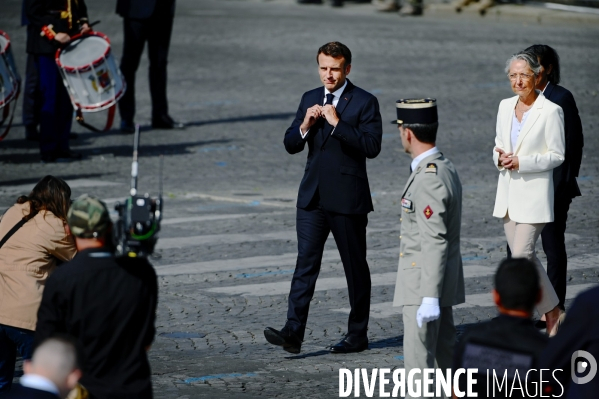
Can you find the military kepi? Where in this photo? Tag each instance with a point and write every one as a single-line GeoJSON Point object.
{"type": "Point", "coordinates": [416, 110]}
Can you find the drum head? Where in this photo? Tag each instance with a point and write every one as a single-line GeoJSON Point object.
{"type": "Point", "coordinates": [84, 51]}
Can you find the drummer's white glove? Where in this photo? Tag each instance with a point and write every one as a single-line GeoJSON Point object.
{"type": "Point", "coordinates": [429, 310]}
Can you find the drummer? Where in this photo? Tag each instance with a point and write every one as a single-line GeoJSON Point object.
{"type": "Point", "coordinates": [51, 25]}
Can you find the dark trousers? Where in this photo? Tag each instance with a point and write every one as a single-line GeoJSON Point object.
{"type": "Point", "coordinates": [554, 246]}
{"type": "Point", "coordinates": [13, 340]}
{"type": "Point", "coordinates": [56, 114]}
{"type": "Point", "coordinates": [31, 94]}
{"type": "Point", "coordinates": [349, 231]}
{"type": "Point", "coordinates": [156, 31]}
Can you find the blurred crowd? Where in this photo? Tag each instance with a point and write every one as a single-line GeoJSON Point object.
{"type": "Point", "coordinates": [407, 8]}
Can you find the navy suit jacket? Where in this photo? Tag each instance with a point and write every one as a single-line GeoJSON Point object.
{"type": "Point", "coordinates": [139, 9]}
{"type": "Point", "coordinates": [336, 164]}
{"type": "Point", "coordinates": [580, 331]}
{"type": "Point", "coordinates": [20, 392]}
{"type": "Point", "coordinates": [564, 176]}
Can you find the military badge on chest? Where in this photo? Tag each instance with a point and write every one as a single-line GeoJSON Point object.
{"type": "Point", "coordinates": [407, 205]}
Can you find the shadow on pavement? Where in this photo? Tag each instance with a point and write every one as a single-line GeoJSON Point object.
{"type": "Point", "coordinates": [122, 151]}
{"type": "Point", "coordinates": [85, 137]}
{"type": "Point", "coordinates": [19, 182]}
{"type": "Point", "coordinates": [253, 118]}
{"type": "Point", "coordinates": [394, 342]}
{"type": "Point", "coordinates": [311, 354]}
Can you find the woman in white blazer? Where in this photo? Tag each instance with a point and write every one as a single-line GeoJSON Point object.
{"type": "Point", "coordinates": [529, 144]}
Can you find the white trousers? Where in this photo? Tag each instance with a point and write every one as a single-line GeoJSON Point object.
{"type": "Point", "coordinates": [521, 238]}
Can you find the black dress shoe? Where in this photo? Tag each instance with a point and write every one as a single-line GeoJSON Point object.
{"type": "Point", "coordinates": [166, 122]}
{"type": "Point", "coordinates": [309, 1]}
{"type": "Point", "coordinates": [127, 127]}
{"type": "Point", "coordinates": [48, 158]}
{"type": "Point", "coordinates": [285, 338]}
{"type": "Point", "coordinates": [350, 344]}
{"type": "Point", "coordinates": [337, 3]}
{"type": "Point", "coordinates": [63, 156]}
{"type": "Point", "coordinates": [67, 156]}
{"type": "Point", "coordinates": [31, 133]}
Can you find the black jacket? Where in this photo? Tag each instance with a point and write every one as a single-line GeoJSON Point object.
{"type": "Point", "coordinates": [564, 176]}
{"type": "Point", "coordinates": [52, 12]}
{"type": "Point", "coordinates": [503, 338]}
{"type": "Point", "coordinates": [20, 392]}
{"type": "Point", "coordinates": [109, 306]}
{"type": "Point", "coordinates": [580, 331]}
{"type": "Point", "coordinates": [336, 164]}
{"type": "Point", "coordinates": [142, 9]}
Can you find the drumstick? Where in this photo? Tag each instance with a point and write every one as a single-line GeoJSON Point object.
{"type": "Point", "coordinates": [92, 24]}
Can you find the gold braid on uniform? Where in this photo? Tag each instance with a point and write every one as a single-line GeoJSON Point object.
{"type": "Point", "coordinates": [68, 14]}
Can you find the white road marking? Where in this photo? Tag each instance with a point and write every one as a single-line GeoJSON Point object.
{"type": "Point", "coordinates": [255, 262]}
{"type": "Point", "coordinates": [205, 218]}
{"type": "Point", "coordinates": [213, 239]}
{"type": "Point", "coordinates": [329, 283]}
{"type": "Point", "coordinates": [385, 309]}
{"type": "Point", "coordinates": [282, 287]}
{"type": "Point", "coordinates": [76, 183]}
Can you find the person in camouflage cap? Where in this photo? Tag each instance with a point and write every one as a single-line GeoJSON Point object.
{"type": "Point", "coordinates": [107, 303]}
{"type": "Point", "coordinates": [88, 217]}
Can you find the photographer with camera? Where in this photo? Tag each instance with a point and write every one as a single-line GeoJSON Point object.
{"type": "Point", "coordinates": [107, 303]}
{"type": "Point", "coordinates": [34, 238]}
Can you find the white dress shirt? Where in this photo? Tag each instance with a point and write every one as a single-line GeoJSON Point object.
{"type": "Point", "coordinates": [35, 381]}
{"type": "Point", "coordinates": [420, 157]}
{"type": "Point", "coordinates": [336, 96]}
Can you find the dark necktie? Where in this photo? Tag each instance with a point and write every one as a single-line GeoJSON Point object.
{"type": "Point", "coordinates": [326, 123]}
{"type": "Point", "coordinates": [329, 99]}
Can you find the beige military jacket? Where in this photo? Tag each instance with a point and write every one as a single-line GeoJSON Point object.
{"type": "Point", "coordinates": [430, 262]}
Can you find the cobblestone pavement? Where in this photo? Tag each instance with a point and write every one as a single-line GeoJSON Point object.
{"type": "Point", "coordinates": [227, 249]}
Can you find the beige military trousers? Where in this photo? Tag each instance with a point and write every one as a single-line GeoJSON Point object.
{"type": "Point", "coordinates": [430, 346]}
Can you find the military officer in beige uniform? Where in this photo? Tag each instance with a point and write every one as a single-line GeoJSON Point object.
{"type": "Point", "coordinates": [430, 279]}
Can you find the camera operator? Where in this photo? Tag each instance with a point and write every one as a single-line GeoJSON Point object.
{"type": "Point", "coordinates": [108, 304]}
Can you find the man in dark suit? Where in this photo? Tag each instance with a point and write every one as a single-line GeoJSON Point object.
{"type": "Point", "coordinates": [341, 124]}
{"type": "Point", "coordinates": [107, 304]}
{"type": "Point", "coordinates": [564, 176]}
{"type": "Point", "coordinates": [51, 374]}
{"type": "Point", "coordinates": [579, 332]}
{"type": "Point", "coordinates": [148, 21]}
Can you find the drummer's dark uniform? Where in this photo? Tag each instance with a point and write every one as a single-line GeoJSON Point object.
{"type": "Point", "coordinates": [56, 114]}
{"type": "Point", "coordinates": [144, 21]}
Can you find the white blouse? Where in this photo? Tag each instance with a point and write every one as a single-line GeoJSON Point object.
{"type": "Point", "coordinates": [516, 127]}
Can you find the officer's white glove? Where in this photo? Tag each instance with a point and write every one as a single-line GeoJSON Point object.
{"type": "Point", "coordinates": [429, 310]}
